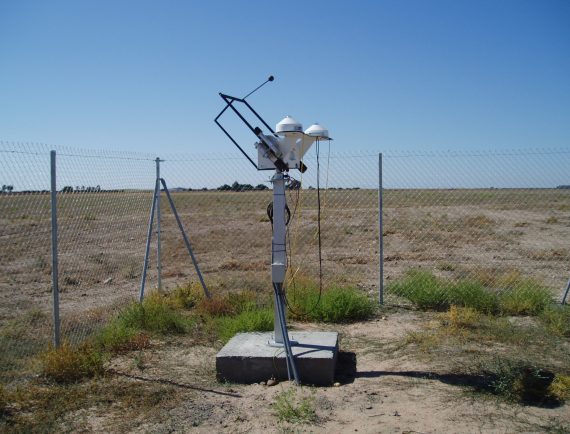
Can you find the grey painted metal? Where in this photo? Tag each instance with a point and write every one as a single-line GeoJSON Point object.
{"type": "Point", "coordinates": [291, 365]}
{"type": "Point", "coordinates": [185, 238]}
{"type": "Point", "coordinates": [278, 269]}
{"type": "Point", "coordinates": [148, 238]}
{"type": "Point", "coordinates": [380, 232]}
{"type": "Point", "coordinates": [277, 331]}
{"type": "Point", "coordinates": [565, 296]}
{"type": "Point", "coordinates": [158, 230]}
{"type": "Point", "coordinates": [54, 253]}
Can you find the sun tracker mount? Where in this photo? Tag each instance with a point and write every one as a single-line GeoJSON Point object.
{"type": "Point", "coordinates": [281, 150]}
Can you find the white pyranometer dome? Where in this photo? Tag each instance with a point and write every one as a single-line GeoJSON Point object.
{"type": "Point", "coordinates": [318, 131]}
{"type": "Point", "coordinates": [288, 125]}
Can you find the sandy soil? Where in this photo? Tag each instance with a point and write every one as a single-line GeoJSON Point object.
{"type": "Point", "coordinates": [391, 391]}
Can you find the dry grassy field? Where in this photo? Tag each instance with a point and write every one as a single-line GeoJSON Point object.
{"type": "Point", "coordinates": [102, 240]}
{"type": "Point", "coordinates": [410, 375]}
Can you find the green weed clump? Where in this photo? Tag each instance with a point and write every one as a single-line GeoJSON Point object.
{"type": "Point", "coordinates": [246, 321]}
{"type": "Point", "coordinates": [3, 400]}
{"type": "Point", "coordinates": [517, 381]}
{"type": "Point", "coordinates": [155, 314]}
{"type": "Point", "coordinates": [67, 364]}
{"type": "Point", "coordinates": [557, 320]}
{"type": "Point", "coordinates": [126, 332]}
{"type": "Point", "coordinates": [423, 289]}
{"type": "Point", "coordinates": [336, 304]}
{"type": "Point", "coordinates": [524, 298]}
{"type": "Point", "coordinates": [427, 292]}
{"type": "Point", "coordinates": [116, 338]}
{"type": "Point", "coordinates": [292, 408]}
{"type": "Point", "coordinates": [187, 296]}
{"type": "Point", "coordinates": [473, 295]}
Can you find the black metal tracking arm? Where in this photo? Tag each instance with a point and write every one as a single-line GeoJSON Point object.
{"type": "Point", "coordinates": [229, 100]}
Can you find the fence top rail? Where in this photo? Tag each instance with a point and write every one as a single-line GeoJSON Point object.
{"type": "Point", "coordinates": [68, 151]}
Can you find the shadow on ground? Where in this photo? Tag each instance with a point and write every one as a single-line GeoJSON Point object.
{"type": "Point", "coordinates": [534, 390]}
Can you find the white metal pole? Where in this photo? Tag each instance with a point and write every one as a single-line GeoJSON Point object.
{"type": "Point", "coordinates": [158, 230]}
{"type": "Point", "coordinates": [54, 253]}
{"type": "Point", "coordinates": [278, 252]}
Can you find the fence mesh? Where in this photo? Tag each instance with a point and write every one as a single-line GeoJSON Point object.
{"type": "Point", "coordinates": [494, 217]}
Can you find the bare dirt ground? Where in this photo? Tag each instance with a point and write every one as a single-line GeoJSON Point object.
{"type": "Point", "coordinates": [393, 390]}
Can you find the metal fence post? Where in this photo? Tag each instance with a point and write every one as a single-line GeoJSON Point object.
{"type": "Point", "coordinates": [380, 231]}
{"type": "Point", "coordinates": [158, 219]}
{"type": "Point", "coordinates": [54, 251]}
{"type": "Point", "coordinates": [148, 238]}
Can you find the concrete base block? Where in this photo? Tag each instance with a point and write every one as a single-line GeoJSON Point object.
{"type": "Point", "coordinates": [249, 358]}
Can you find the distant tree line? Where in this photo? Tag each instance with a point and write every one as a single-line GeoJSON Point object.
{"type": "Point", "coordinates": [82, 189]}
{"type": "Point", "coordinates": [236, 186]}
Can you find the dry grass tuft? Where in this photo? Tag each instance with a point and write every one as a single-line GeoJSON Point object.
{"type": "Point", "coordinates": [458, 318]}
{"type": "Point", "coordinates": [67, 364]}
{"type": "Point", "coordinates": [560, 387]}
{"type": "Point", "coordinates": [478, 221]}
{"type": "Point", "coordinates": [215, 306]}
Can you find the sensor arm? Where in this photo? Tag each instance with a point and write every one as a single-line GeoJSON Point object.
{"type": "Point", "coordinates": [229, 100]}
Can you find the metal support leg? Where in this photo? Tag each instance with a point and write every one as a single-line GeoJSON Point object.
{"type": "Point", "coordinates": [148, 238]}
{"type": "Point", "coordinates": [290, 358]}
{"type": "Point", "coordinates": [185, 238]}
{"type": "Point", "coordinates": [565, 296]}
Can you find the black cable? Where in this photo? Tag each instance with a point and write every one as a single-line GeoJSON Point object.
{"type": "Point", "coordinates": [319, 221]}
{"type": "Point", "coordinates": [317, 148]}
{"type": "Point", "coordinates": [270, 214]}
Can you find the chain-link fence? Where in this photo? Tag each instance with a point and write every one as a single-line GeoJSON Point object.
{"type": "Point", "coordinates": [490, 216]}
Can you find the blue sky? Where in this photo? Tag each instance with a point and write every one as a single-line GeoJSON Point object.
{"type": "Point", "coordinates": [381, 75]}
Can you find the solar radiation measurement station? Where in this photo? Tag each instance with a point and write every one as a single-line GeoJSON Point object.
{"type": "Point", "coordinates": [304, 357]}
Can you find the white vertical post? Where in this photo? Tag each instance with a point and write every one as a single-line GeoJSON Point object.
{"type": "Point", "coordinates": [158, 219]}
{"type": "Point", "coordinates": [380, 232]}
{"type": "Point", "coordinates": [54, 251]}
{"type": "Point", "coordinates": [278, 252]}
{"type": "Point", "coordinates": [278, 270]}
